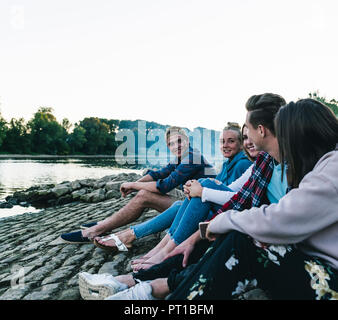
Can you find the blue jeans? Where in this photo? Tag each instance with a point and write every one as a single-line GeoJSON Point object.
{"type": "Point", "coordinates": [182, 216]}
{"type": "Point", "coordinates": [159, 223]}
{"type": "Point", "coordinates": [194, 211]}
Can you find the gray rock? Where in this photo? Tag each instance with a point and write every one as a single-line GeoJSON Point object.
{"type": "Point", "coordinates": [95, 196]}
{"type": "Point", "coordinates": [113, 185]}
{"type": "Point", "coordinates": [113, 194]}
{"type": "Point", "coordinates": [71, 294]}
{"type": "Point", "coordinates": [87, 182]}
{"type": "Point", "coordinates": [58, 275]}
{"type": "Point", "coordinates": [75, 185]}
{"type": "Point", "coordinates": [46, 293]}
{"type": "Point", "coordinates": [98, 195]}
{"type": "Point", "coordinates": [77, 194]}
{"type": "Point", "coordinates": [60, 190]}
{"type": "Point", "coordinates": [6, 205]}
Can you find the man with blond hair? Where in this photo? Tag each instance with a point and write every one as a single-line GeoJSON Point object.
{"type": "Point", "coordinates": [155, 190]}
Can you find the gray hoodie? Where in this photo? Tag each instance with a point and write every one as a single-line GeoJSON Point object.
{"type": "Point", "coordinates": [306, 216]}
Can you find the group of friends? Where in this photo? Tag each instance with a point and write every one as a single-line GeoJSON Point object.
{"type": "Point", "coordinates": [271, 213]}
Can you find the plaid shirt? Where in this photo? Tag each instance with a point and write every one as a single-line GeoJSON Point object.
{"type": "Point", "coordinates": [253, 192]}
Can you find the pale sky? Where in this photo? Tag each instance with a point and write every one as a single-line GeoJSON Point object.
{"type": "Point", "coordinates": [178, 62]}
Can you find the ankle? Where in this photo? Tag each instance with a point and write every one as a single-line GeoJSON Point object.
{"type": "Point", "coordinates": [126, 279]}
{"type": "Point", "coordinates": [159, 288]}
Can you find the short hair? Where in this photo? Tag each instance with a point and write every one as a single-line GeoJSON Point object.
{"type": "Point", "coordinates": [173, 130]}
{"type": "Point", "coordinates": [235, 127]}
{"type": "Point", "coordinates": [263, 109]}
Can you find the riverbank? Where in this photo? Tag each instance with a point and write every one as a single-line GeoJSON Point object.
{"type": "Point", "coordinates": [34, 265]}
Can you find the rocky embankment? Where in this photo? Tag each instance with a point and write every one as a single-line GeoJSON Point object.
{"type": "Point", "coordinates": [87, 190]}
{"type": "Point", "coordinates": [34, 265]}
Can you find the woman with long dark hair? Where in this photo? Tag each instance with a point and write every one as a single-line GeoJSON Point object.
{"type": "Point", "coordinates": [290, 248]}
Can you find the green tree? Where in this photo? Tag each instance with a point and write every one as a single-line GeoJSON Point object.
{"type": "Point", "coordinates": [332, 104]}
{"type": "Point", "coordinates": [96, 134]}
{"type": "Point", "coordinates": [77, 139]}
{"type": "Point", "coordinates": [3, 129]}
{"type": "Point", "coordinates": [17, 139]}
{"type": "Point", "coordinates": [47, 135]}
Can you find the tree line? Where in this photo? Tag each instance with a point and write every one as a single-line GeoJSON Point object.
{"type": "Point", "coordinates": [43, 134]}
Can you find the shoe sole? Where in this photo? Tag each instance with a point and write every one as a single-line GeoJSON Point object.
{"type": "Point", "coordinates": [74, 242]}
{"type": "Point", "coordinates": [94, 292]}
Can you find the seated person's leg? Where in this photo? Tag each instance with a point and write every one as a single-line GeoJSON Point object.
{"type": "Point", "coordinates": [158, 223]}
{"type": "Point", "coordinates": [164, 268]}
{"type": "Point", "coordinates": [130, 212]}
{"type": "Point", "coordinates": [195, 212]}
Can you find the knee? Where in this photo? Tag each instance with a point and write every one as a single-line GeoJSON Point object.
{"type": "Point", "coordinates": [142, 195]}
{"type": "Point", "coordinates": [177, 204]}
{"type": "Point", "coordinates": [206, 182]}
{"type": "Point", "coordinates": [237, 239]}
{"type": "Point", "coordinates": [201, 180]}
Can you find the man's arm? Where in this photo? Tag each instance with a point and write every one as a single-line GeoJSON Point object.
{"type": "Point", "coordinates": [130, 187]}
{"type": "Point", "coordinates": [139, 185]}
{"type": "Point", "coordinates": [146, 178]}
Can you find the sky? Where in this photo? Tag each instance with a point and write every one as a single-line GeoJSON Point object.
{"type": "Point", "coordinates": [178, 62]}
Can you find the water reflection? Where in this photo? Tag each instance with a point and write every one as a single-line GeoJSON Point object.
{"type": "Point", "coordinates": [20, 174]}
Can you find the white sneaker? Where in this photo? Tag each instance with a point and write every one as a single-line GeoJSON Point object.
{"type": "Point", "coordinates": [141, 291]}
{"type": "Point", "coordinates": [98, 286]}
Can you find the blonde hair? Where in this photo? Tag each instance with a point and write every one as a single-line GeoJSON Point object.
{"type": "Point", "coordinates": [173, 131]}
{"type": "Point", "coordinates": [235, 127]}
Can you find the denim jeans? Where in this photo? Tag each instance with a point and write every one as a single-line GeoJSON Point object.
{"type": "Point", "coordinates": [183, 216]}
{"type": "Point", "coordinates": [158, 223]}
{"type": "Point", "coordinates": [194, 211]}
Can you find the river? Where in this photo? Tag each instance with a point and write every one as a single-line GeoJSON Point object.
{"type": "Point", "coordinates": [21, 173]}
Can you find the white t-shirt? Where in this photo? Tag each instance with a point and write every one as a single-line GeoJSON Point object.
{"type": "Point", "coordinates": [220, 197]}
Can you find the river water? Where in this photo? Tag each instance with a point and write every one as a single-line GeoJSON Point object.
{"type": "Point", "coordinates": [19, 174]}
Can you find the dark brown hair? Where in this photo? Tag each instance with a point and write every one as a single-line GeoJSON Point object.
{"type": "Point", "coordinates": [263, 109]}
{"type": "Point", "coordinates": [305, 130]}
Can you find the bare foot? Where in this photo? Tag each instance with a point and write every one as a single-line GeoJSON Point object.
{"type": "Point", "coordinates": [157, 258]}
{"type": "Point", "coordinates": [153, 251]}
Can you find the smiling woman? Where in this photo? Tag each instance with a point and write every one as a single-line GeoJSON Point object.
{"type": "Point", "coordinates": [231, 140]}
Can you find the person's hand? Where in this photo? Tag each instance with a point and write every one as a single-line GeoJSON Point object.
{"type": "Point", "coordinates": [185, 248]}
{"type": "Point", "coordinates": [209, 235]}
{"type": "Point", "coordinates": [195, 189]}
{"type": "Point", "coordinates": [186, 187]}
{"type": "Point", "coordinates": [186, 191]}
{"type": "Point", "coordinates": [126, 188]}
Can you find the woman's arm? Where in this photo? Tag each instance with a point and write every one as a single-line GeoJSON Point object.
{"type": "Point", "coordinates": [220, 197]}
{"type": "Point", "coordinates": [186, 247]}
{"type": "Point", "coordinates": [302, 212]}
